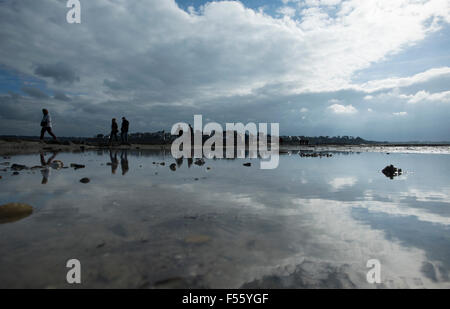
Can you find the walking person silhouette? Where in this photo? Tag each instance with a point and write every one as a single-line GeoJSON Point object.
{"type": "Point", "coordinates": [46, 124]}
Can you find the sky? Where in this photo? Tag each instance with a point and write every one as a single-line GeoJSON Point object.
{"type": "Point", "coordinates": [376, 69]}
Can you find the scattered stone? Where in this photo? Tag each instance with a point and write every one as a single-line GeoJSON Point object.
{"type": "Point", "coordinates": [101, 245]}
{"type": "Point", "coordinates": [18, 167]}
{"type": "Point", "coordinates": [391, 171]}
{"type": "Point", "coordinates": [6, 158]}
{"type": "Point", "coordinates": [109, 163]}
{"type": "Point", "coordinates": [196, 179]}
{"type": "Point", "coordinates": [85, 180]}
{"type": "Point", "coordinates": [197, 239]}
{"type": "Point", "coordinates": [247, 164]}
{"type": "Point", "coordinates": [208, 168]}
{"type": "Point", "coordinates": [199, 162]}
{"type": "Point", "coordinates": [163, 163]}
{"type": "Point", "coordinates": [15, 173]}
{"type": "Point", "coordinates": [77, 166]}
{"type": "Point", "coordinates": [14, 212]}
{"type": "Point", "coordinates": [57, 164]}
{"type": "Point", "coordinates": [173, 167]}
{"type": "Point", "coordinates": [3, 170]}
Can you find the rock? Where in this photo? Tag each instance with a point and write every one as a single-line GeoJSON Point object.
{"type": "Point", "coordinates": [197, 239]}
{"type": "Point", "coordinates": [208, 168]}
{"type": "Point", "coordinates": [57, 164]}
{"type": "Point", "coordinates": [14, 212]}
{"type": "Point", "coordinates": [391, 171]}
{"type": "Point", "coordinates": [85, 180]}
{"type": "Point", "coordinates": [163, 163]}
{"type": "Point", "coordinates": [77, 166]}
{"type": "Point", "coordinates": [247, 164]}
{"type": "Point", "coordinates": [199, 162]}
{"type": "Point", "coordinates": [18, 167]}
{"type": "Point", "coordinates": [196, 179]}
{"type": "Point", "coordinates": [173, 167]}
{"type": "Point", "coordinates": [15, 173]}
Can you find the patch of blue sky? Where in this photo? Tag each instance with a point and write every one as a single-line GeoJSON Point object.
{"type": "Point", "coordinates": [13, 81]}
{"type": "Point", "coordinates": [432, 52]}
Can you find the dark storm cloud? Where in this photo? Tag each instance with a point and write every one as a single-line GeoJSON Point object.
{"type": "Point", "coordinates": [34, 93]}
{"type": "Point", "coordinates": [61, 96]}
{"type": "Point", "coordinates": [59, 72]}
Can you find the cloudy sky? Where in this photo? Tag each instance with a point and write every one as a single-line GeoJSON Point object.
{"type": "Point", "coordinates": [377, 69]}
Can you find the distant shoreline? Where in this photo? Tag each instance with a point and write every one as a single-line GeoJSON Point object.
{"type": "Point", "coordinates": [10, 146]}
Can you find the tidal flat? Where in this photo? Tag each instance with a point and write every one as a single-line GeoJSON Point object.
{"type": "Point", "coordinates": [313, 222]}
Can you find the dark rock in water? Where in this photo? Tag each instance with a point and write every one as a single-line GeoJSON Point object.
{"type": "Point", "coordinates": [173, 167]}
{"type": "Point", "coordinates": [18, 167]}
{"type": "Point", "coordinates": [199, 162]}
{"type": "Point", "coordinates": [77, 166]}
{"type": "Point", "coordinates": [13, 212]}
{"type": "Point", "coordinates": [208, 168]}
{"type": "Point", "coordinates": [391, 171]}
{"type": "Point", "coordinates": [85, 180]}
{"type": "Point", "coordinates": [163, 163]}
{"type": "Point", "coordinates": [15, 173]}
{"type": "Point", "coordinates": [6, 158]}
{"type": "Point", "coordinates": [247, 164]}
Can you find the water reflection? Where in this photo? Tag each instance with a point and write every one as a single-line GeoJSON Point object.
{"type": "Point", "coordinates": [309, 223]}
{"type": "Point", "coordinates": [46, 164]}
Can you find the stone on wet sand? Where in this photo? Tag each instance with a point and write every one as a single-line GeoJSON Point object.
{"type": "Point", "coordinates": [15, 173]}
{"type": "Point", "coordinates": [247, 164]}
{"type": "Point", "coordinates": [85, 180]}
{"type": "Point", "coordinates": [57, 164]}
{"type": "Point", "coordinates": [391, 171]}
{"type": "Point", "coordinates": [14, 212]}
{"type": "Point", "coordinates": [173, 167]}
{"type": "Point", "coordinates": [18, 167]}
{"type": "Point", "coordinates": [199, 162]}
{"type": "Point", "coordinates": [77, 166]}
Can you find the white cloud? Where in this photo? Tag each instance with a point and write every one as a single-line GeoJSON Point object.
{"type": "Point", "coordinates": [400, 114]}
{"type": "Point", "coordinates": [287, 11]}
{"type": "Point", "coordinates": [391, 83]}
{"type": "Point", "coordinates": [303, 110]}
{"type": "Point", "coordinates": [342, 109]}
{"type": "Point", "coordinates": [430, 97]}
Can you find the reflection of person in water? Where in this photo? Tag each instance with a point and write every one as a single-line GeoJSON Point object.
{"type": "Point", "coordinates": [114, 161]}
{"type": "Point", "coordinates": [124, 162]}
{"type": "Point", "coordinates": [46, 167]}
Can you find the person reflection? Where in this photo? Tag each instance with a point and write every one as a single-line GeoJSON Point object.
{"type": "Point", "coordinates": [114, 161]}
{"type": "Point", "coordinates": [45, 171]}
{"type": "Point", "coordinates": [124, 162]}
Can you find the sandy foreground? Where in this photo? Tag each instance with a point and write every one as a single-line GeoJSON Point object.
{"type": "Point", "coordinates": [17, 147]}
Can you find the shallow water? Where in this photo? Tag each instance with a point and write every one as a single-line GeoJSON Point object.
{"type": "Point", "coordinates": [309, 223]}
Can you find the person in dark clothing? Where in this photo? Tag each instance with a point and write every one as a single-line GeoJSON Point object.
{"type": "Point", "coordinates": [124, 130]}
{"type": "Point", "coordinates": [46, 124]}
{"type": "Point", "coordinates": [114, 131]}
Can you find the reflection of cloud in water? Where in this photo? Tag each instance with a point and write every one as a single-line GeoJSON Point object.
{"type": "Point", "coordinates": [339, 183]}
